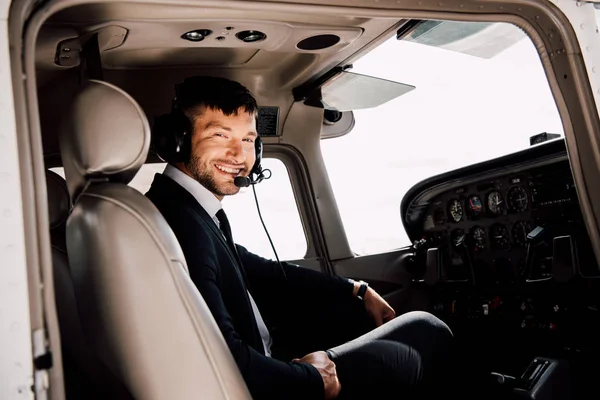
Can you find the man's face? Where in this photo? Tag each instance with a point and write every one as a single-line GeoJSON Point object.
{"type": "Point", "coordinates": [222, 148]}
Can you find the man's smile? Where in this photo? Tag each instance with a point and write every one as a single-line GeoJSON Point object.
{"type": "Point", "coordinates": [228, 170]}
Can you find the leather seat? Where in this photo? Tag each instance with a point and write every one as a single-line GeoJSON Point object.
{"type": "Point", "coordinates": [139, 310]}
{"type": "Point", "coordinates": [85, 376]}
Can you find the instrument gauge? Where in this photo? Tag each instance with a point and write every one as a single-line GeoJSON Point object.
{"type": "Point", "coordinates": [456, 210]}
{"type": "Point", "coordinates": [499, 236]}
{"type": "Point", "coordinates": [517, 198]}
{"type": "Point", "coordinates": [519, 232]}
{"type": "Point", "coordinates": [479, 238]}
{"type": "Point", "coordinates": [495, 203]}
{"type": "Point", "coordinates": [474, 206]}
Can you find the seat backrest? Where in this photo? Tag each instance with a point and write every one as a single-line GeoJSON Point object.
{"type": "Point", "coordinates": [144, 318]}
{"type": "Point", "coordinates": [85, 376]}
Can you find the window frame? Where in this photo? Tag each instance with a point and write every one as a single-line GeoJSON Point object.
{"type": "Point", "coordinates": [284, 159]}
{"type": "Point", "coordinates": [316, 248]}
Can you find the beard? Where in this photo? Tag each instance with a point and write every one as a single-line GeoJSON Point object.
{"type": "Point", "coordinates": [204, 174]}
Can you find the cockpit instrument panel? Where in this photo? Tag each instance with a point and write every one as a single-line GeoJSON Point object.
{"type": "Point", "coordinates": [515, 212]}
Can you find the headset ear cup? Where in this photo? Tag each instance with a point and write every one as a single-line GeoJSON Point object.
{"type": "Point", "coordinates": [185, 147]}
{"type": "Point", "coordinates": [183, 131]}
{"type": "Point", "coordinates": [163, 138]}
{"type": "Point", "coordinates": [258, 149]}
{"type": "Point", "coordinates": [171, 137]}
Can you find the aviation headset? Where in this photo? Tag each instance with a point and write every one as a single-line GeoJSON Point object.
{"type": "Point", "coordinates": [172, 140]}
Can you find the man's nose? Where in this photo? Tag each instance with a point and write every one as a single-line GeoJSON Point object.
{"type": "Point", "coordinates": [236, 151]}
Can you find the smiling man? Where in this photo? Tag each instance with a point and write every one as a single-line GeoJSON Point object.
{"type": "Point", "coordinates": [293, 332]}
{"type": "Point", "coordinates": [212, 167]}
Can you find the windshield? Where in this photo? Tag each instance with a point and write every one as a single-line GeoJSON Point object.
{"type": "Point", "coordinates": [479, 95]}
{"type": "Point", "coordinates": [476, 98]}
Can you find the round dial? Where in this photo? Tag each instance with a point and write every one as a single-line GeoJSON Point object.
{"type": "Point", "coordinates": [499, 236]}
{"type": "Point", "coordinates": [517, 198]}
{"type": "Point", "coordinates": [495, 203]}
{"type": "Point", "coordinates": [474, 206]}
{"type": "Point", "coordinates": [519, 232]}
{"type": "Point", "coordinates": [456, 210]}
{"type": "Point", "coordinates": [479, 238]}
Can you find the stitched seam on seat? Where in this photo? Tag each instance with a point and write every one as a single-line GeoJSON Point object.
{"type": "Point", "coordinates": [183, 298]}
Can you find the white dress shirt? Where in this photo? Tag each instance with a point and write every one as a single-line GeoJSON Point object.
{"type": "Point", "coordinates": [212, 205]}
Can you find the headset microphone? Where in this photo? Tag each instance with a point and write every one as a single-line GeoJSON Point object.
{"type": "Point", "coordinates": [245, 181]}
{"type": "Point", "coordinates": [242, 181]}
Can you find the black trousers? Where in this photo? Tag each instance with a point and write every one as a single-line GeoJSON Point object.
{"type": "Point", "coordinates": [405, 358]}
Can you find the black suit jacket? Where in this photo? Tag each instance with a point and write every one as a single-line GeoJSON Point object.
{"type": "Point", "coordinates": [214, 270]}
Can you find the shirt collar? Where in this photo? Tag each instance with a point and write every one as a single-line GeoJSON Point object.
{"type": "Point", "coordinates": [203, 196]}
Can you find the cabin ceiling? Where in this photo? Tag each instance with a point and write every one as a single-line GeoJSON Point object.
{"type": "Point", "coordinates": [149, 36]}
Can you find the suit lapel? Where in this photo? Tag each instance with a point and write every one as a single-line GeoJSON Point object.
{"type": "Point", "coordinates": [235, 259]}
{"type": "Point", "coordinates": [234, 256]}
{"type": "Point", "coordinates": [175, 189]}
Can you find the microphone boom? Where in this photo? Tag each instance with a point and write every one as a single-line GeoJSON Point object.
{"type": "Point", "coordinates": [242, 181]}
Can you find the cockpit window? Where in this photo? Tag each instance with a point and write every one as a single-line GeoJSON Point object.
{"type": "Point", "coordinates": [480, 39]}
{"type": "Point", "coordinates": [481, 93]}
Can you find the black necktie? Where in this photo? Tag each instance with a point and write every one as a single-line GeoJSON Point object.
{"type": "Point", "coordinates": [226, 229]}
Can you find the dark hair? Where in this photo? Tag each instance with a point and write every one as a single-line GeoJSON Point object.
{"type": "Point", "coordinates": [198, 93]}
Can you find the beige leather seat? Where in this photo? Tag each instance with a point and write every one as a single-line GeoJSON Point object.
{"type": "Point", "coordinates": [85, 376]}
{"type": "Point", "coordinates": [139, 310]}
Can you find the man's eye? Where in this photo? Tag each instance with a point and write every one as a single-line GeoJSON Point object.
{"type": "Point", "coordinates": [249, 140]}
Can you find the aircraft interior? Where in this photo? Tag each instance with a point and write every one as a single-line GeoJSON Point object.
{"type": "Point", "coordinates": [499, 249]}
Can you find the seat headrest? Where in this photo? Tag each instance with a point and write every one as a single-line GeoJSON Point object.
{"type": "Point", "coordinates": [59, 203]}
{"type": "Point", "coordinates": [105, 137]}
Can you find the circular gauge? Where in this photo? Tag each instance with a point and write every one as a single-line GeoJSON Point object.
{"type": "Point", "coordinates": [474, 206]}
{"type": "Point", "coordinates": [456, 210]}
{"type": "Point", "coordinates": [519, 232]}
{"type": "Point", "coordinates": [495, 203]}
{"type": "Point", "coordinates": [499, 236]}
{"type": "Point", "coordinates": [479, 238]}
{"type": "Point", "coordinates": [517, 198]}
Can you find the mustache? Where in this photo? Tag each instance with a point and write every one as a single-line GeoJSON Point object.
{"type": "Point", "coordinates": [232, 163]}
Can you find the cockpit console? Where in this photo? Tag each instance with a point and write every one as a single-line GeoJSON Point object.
{"type": "Point", "coordinates": [504, 250]}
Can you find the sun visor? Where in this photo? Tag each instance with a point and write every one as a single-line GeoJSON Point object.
{"type": "Point", "coordinates": [350, 91]}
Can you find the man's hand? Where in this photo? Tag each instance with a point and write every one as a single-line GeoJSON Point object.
{"type": "Point", "coordinates": [378, 308]}
{"type": "Point", "coordinates": [326, 368]}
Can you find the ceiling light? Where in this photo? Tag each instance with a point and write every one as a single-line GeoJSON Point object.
{"type": "Point", "coordinates": [197, 35]}
{"type": "Point", "coordinates": [250, 36]}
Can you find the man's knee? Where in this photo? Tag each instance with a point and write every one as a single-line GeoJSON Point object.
{"type": "Point", "coordinates": [438, 354]}
{"type": "Point", "coordinates": [424, 326]}
{"type": "Point", "coordinates": [426, 333]}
